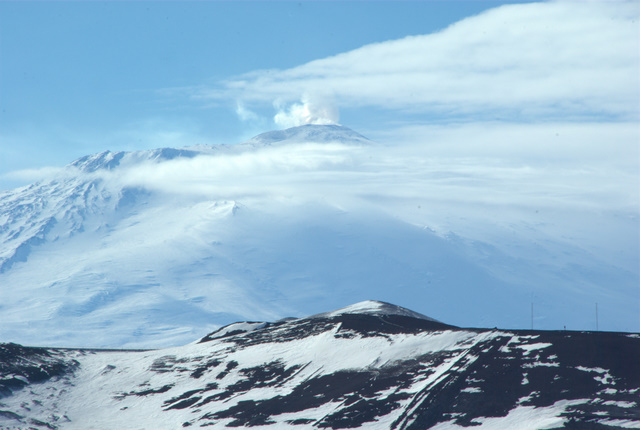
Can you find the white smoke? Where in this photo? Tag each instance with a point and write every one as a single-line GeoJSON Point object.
{"type": "Point", "coordinates": [316, 111]}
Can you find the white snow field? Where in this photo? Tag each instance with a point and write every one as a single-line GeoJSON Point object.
{"type": "Point", "coordinates": [157, 248]}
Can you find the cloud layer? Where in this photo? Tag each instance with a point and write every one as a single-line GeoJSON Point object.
{"type": "Point", "coordinates": [552, 166]}
{"type": "Point", "coordinates": [562, 212]}
{"type": "Point", "coordinates": [523, 61]}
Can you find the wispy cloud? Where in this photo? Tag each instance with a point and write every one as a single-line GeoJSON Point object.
{"type": "Point", "coordinates": [246, 114]}
{"type": "Point", "coordinates": [555, 165]}
{"type": "Point", "coordinates": [585, 201]}
{"type": "Point", "coordinates": [31, 175]}
{"type": "Point", "coordinates": [524, 61]}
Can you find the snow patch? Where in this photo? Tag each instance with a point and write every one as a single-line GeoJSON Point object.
{"type": "Point", "coordinates": [471, 390]}
{"type": "Point", "coordinates": [620, 404]}
{"type": "Point", "coordinates": [521, 418]}
{"type": "Point", "coordinates": [606, 377]}
{"type": "Point", "coordinates": [541, 364]}
{"type": "Point", "coordinates": [233, 329]}
{"type": "Point", "coordinates": [625, 424]}
{"type": "Point", "coordinates": [533, 347]}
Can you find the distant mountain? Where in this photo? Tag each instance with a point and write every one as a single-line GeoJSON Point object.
{"type": "Point", "coordinates": [371, 365]}
{"type": "Point", "coordinates": [30, 213]}
{"type": "Point", "coordinates": [155, 248]}
{"type": "Point", "coordinates": [311, 133]}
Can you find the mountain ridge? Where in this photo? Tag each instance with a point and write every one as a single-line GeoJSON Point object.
{"type": "Point", "coordinates": [345, 370]}
{"type": "Point", "coordinates": [310, 133]}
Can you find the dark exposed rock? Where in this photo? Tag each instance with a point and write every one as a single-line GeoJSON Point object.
{"type": "Point", "coordinates": [21, 366]}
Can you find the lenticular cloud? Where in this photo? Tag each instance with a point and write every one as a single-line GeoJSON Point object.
{"type": "Point", "coordinates": [521, 61]}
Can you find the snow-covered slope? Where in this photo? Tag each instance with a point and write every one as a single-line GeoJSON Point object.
{"type": "Point", "coordinates": [371, 365]}
{"type": "Point", "coordinates": [156, 248]}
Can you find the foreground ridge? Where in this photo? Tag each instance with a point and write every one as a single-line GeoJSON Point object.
{"type": "Point", "coordinates": [370, 365]}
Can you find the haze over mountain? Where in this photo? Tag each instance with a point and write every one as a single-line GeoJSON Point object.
{"type": "Point", "coordinates": [156, 248]}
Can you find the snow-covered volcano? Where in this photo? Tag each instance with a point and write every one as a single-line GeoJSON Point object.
{"type": "Point", "coordinates": [311, 133]}
{"type": "Point", "coordinates": [370, 365]}
{"type": "Point", "coordinates": [156, 248]}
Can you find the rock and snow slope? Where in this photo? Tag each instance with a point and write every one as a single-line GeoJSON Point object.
{"type": "Point", "coordinates": [371, 366]}
{"type": "Point", "coordinates": [155, 248]}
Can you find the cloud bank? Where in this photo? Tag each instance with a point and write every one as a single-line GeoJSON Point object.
{"type": "Point", "coordinates": [556, 165]}
{"type": "Point", "coordinates": [524, 61]}
{"type": "Point", "coordinates": [587, 200]}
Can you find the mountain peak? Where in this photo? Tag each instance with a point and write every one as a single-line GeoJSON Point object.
{"type": "Point", "coordinates": [360, 311]}
{"type": "Point", "coordinates": [104, 160]}
{"type": "Point", "coordinates": [376, 308]}
{"type": "Point", "coordinates": [108, 160]}
{"type": "Point", "coordinates": [311, 133]}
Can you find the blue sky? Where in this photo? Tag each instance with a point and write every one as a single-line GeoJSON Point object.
{"type": "Point", "coordinates": [81, 77]}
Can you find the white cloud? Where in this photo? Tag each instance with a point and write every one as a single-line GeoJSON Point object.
{"type": "Point", "coordinates": [267, 172]}
{"type": "Point", "coordinates": [539, 60]}
{"type": "Point", "coordinates": [245, 114]}
{"type": "Point", "coordinates": [468, 180]}
{"type": "Point", "coordinates": [559, 143]}
{"type": "Point", "coordinates": [32, 175]}
{"type": "Point", "coordinates": [518, 166]}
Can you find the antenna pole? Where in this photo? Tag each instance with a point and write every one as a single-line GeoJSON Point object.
{"type": "Point", "coordinates": [531, 315]}
{"type": "Point", "coordinates": [596, 316]}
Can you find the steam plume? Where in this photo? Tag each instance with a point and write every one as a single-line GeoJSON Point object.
{"type": "Point", "coordinates": [317, 111]}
